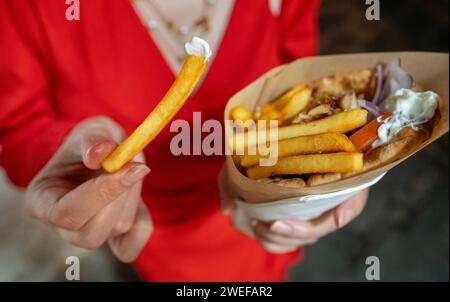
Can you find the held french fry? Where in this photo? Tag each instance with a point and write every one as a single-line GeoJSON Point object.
{"type": "Point", "coordinates": [302, 145]}
{"type": "Point", "coordinates": [313, 163]}
{"type": "Point", "coordinates": [341, 122]}
{"type": "Point", "coordinates": [189, 75]}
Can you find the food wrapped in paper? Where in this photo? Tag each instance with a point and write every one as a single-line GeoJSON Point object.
{"type": "Point", "coordinates": [430, 70]}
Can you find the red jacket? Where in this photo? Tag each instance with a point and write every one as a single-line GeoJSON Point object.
{"type": "Point", "coordinates": [54, 73]}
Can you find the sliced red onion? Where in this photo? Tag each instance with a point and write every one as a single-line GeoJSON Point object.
{"type": "Point", "coordinates": [369, 106]}
{"type": "Point", "coordinates": [379, 68]}
{"type": "Point", "coordinates": [395, 78]}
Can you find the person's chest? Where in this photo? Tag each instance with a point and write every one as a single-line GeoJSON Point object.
{"type": "Point", "coordinates": [107, 63]}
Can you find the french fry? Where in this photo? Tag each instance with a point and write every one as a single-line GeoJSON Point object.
{"type": "Point", "coordinates": [280, 102]}
{"type": "Point", "coordinates": [296, 103]}
{"type": "Point", "coordinates": [176, 96]}
{"type": "Point", "coordinates": [340, 122]}
{"type": "Point", "coordinates": [266, 108]}
{"type": "Point", "coordinates": [302, 145]}
{"type": "Point", "coordinates": [313, 163]}
{"type": "Point", "coordinates": [286, 106]}
{"type": "Point", "coordinates": [240, 113]}
{"type": "Point", "coordinates": [272, 115]}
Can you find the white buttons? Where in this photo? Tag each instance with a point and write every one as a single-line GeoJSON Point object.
{"type": "Point", "coordinates": [183, 29]}
{"type": "Point", "coordinates": [152, 24]}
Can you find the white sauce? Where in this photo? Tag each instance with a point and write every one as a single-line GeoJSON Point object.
{"type": "Point", "coordinates": [409, 109]}
{"type": "Point", "coordinates": [198, 47]}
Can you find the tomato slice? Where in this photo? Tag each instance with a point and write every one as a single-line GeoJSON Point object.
{"type": "Point", "coordinates": [364, 137]}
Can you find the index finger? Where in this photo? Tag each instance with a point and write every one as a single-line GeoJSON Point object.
{"type": "Point", "coordinates": [327, 223]}
{"type": "Point", "coordinates": [299, 229]}
{"type": "Point", "coordinates": [74, 209]}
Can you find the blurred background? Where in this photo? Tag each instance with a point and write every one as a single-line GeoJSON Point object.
{"type": "Point", "coordinates": [407, 229]}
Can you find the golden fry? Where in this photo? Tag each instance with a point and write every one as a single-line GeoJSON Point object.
{"type": "Point", "coordinates": [174, 99]}
{"type": "Point", "coordinates": [280, 102]}
{"type": "Point", "coordinates": [240, 113]}
{"type": "Point", "coordinates": [272, 115]}
{"type": "Point", "coordinates": [297, 103]}
{"type": "Point", "coordinates": [341, 122]}
{"type": "Point", "coordinates": [310, 144]}
{"type": "Point", "coordinates": [313, 163]}
{"type": "Point", "coordinates": [286, 106]}
{"type": "Point", "coordinates": [266, 108]}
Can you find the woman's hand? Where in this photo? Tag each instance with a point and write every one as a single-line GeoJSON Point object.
{"type": "Point", "coordinates": [88, 207]}
{"type": "Point", "coordinates": [283, 236]}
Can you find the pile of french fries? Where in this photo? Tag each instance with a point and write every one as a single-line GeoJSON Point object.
{"type": "Point", "coordinates": [313, 147]}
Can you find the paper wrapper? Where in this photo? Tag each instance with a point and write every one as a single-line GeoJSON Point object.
{"type": "Point", "coordinates": [428, 69]}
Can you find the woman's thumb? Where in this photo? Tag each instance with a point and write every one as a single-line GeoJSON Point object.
{"type": "Point", "coordinates": [96, 153]}
{"type": "Point", "coordinates": [99, 137]}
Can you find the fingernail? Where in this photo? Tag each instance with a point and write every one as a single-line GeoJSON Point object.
{"type": "Point", "coordinates": [281, 228]}
{"type": "Point", "coordinates": [97, 148]}
{"type": "Point", "coordinates": [97, 151]}
{"type": "Point", "coordinates": [94, 149]}
{"type": "Point", "coordinates": [134, 174]}
{"type": "Point", "coordinates": [345, 217]}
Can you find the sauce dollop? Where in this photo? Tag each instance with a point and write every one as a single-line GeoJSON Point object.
{"type": "Point", "coordinates": [409, 109]}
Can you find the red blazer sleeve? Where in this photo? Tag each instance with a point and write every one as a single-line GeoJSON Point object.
{"type": "Point", "coordinates": [299, 28]}
{"type": "Point", "coordinates": [30, 131]}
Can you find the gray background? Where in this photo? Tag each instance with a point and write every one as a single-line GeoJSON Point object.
{"type": "Point", "coordinates": [405, 223]}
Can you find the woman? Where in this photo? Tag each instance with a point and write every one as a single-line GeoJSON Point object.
{"type": "Point", "coordinates": [58, 77]}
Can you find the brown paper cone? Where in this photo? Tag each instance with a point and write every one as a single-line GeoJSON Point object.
{"type": "Point", "coordinates": [428, 69]}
